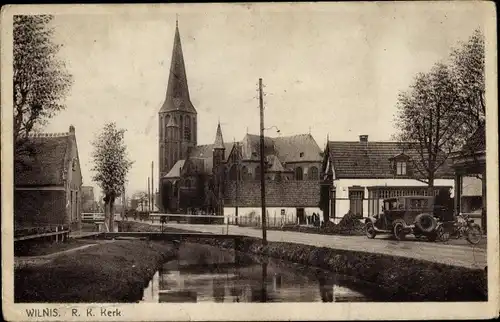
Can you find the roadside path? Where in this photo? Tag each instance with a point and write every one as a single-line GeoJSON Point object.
{"type": "Point", "coordinates": [456, 255]}
{"type": "Point", "coordinates": [43, 259]}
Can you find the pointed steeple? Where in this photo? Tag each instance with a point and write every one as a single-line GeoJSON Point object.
{"type": "Point", "coordinates": [219, 141]}
{"type": "Point", "coordinates": [177, 97]}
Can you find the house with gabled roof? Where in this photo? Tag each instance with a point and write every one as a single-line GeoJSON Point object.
{"type": "Point", "coordinates": [358, 175]}
{"type": "Point", "coordinates": [48, 186]}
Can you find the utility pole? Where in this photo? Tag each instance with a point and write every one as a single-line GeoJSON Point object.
{"type": "Point", "coordinates": [237, 182]}
{"type": "Point", "coordinates": [149, 194]}
{"type": "Point", "coordinates": [262, 171]}
{"type": "Point", "coordinates": [152, 188]}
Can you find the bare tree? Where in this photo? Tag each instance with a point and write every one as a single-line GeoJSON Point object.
{"type": "Point", "coordinates": [111, 165]}
{"type": "Point", "coordinates": [442, 108]}
{"type": "Point", "coordinates": [428, 121]}
{"type": "Point", "coordinates": [40, 79]}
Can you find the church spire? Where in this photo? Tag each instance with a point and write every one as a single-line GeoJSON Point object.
{"type": "Point", "coordinates": [219, 141]}
{"type": "Point", "coordinates": [177, 97]}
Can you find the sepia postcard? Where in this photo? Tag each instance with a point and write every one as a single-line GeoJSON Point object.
{"type": "Point", "coordinates": [250, 161]}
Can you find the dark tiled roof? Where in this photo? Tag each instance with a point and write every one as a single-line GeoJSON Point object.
{"type": "Point", "coordinates": [477, 141]}
{"type": "Point", "coordinates": [177, 97]}
{"type": "Point", "coordinates": [278, 194]}
{"type": "Point", "coordinates": [288, 149]}
{"type": "Point", "coordinates": [48, 162]}
{"type": "Point", "coordinates": [219, 141]}
{"type": "Point", "coordinates": [297, 148]}
{"type": "Point", "coordinates": [372, 159]}
{"type": "Point", "coordinates": [206, 153]}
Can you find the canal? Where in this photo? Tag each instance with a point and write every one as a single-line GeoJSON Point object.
{"type": "Point", "coordinates": [203, 273]}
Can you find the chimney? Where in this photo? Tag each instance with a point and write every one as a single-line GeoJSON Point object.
{"type": "Point", "coordinates": [363, 138]}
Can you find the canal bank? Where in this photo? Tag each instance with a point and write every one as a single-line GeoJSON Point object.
{"type": "Point", "coordinates": [406, 279]}
{"type": "Point", "coordinates": [117, 271]}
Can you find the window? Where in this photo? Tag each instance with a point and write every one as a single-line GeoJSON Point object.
{"type": "Point", "coordinates": [257, 173]}
{"type": "Point", "coordinates": [277, 177]}
{"type": "Point", "coordinates": [187, 133]}
{"type": "Point", "coordinates": [233, 171]}
{"type": "Point", "coordinates": [299, 175]}
{"type": "Point", "coordinates": [313, 173]}
{"type": "Point", "coordinates": [401, 168]}
{"type": "Point", "coordinates": [356, 202]}
{"type": "Point", "coordinates": [301, 154]}
{"type": "Point", "coordinates": [244, 173]}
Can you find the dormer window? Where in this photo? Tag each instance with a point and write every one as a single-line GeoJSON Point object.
{"type": "Point", "coordinates": [401, 168]}
{"type": "Point", "coordinates": [73, 165]}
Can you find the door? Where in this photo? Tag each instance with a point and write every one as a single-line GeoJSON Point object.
{"type": "Point", "coordinates": [301, 216]}
{"type": "Point", "coordinates": [356, 203]}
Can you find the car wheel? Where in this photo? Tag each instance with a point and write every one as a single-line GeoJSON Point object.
{"type": "Point", "coordinates": [370, 230]}
{"type": "Point", "coordinates": [399, 231]}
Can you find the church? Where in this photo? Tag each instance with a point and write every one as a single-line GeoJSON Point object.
{"type": "Point", "coordinates": [224, 178]}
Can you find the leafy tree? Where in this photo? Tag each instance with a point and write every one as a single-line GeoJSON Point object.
{"type": "Point", "coordinates": [442, 108]}
{"type": "Point", "coordinates": [468, 76]}
{"type": "Point", "coordinates": [40, 78]}
{"type": "Point", "coordinates": [111, 165]}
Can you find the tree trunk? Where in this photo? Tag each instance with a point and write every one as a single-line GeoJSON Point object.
{"type": "Point", "coordinates": [111, 214]}
{"type": "Point", "coordinates": [106, 213]}
{"type": "Point", "coordinates": [430, 187]}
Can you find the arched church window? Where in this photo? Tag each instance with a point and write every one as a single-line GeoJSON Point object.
{"type": "Point", "coordinates": [244, 173]}
{"type": "Point", "coordinates": [313, 173]}
{"type": "Point", "coordinates": [299, 174]}
{"type": "Point", "coordinates": [233, 172]}
{"type": "Point", "coordinates": [161, 128]}
{"type": "Point", "coordinates": [257, 173]}
{"type": "Point", "coordinates": [187, 133]}
{"type": "Point", "coordinates": [181, 127]}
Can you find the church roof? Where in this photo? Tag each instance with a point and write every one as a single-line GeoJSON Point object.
{"type": "Point", "coordinates": [177, 96]}
{"type": "Point", "coordinates": [175, 172]}
{"type": "Point", "coordinates": [295, 148]}
{"type": "Point", "coordinates": [219, 141]}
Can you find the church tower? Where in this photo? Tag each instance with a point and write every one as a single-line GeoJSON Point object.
{"type": "Point", "coordinates": [177, 116]}
{"type": "Point", "coordinates": [218, 149]}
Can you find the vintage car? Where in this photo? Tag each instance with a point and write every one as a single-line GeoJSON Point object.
{"type": "Point", "coordinates": [402, 216]}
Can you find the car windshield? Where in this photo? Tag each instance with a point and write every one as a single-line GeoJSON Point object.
{"type": "Point", "coordinates": [419, 203]}
{"type": "Point", "coordinates": [391, 204]}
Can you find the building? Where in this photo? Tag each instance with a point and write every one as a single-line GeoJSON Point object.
{"type": "Point", "coordinates": [469, 165]}
{"type": "Point", "coordinates": [358, 175]}
{"type": "Point", "coordinates": [89, 204]}
{"type": "Point", "coordinates": [194, 177]}
{"type": "Point", "coordinates": [48, 188]}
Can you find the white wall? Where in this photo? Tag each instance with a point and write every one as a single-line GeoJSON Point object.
{"type": "Point", "coordinates": [342, 190]}
{"type": "Point", "coordinates": [252, 215]}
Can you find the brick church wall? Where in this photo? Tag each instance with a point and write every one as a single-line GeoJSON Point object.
{"type": "Point", "coordinates": [278, 194]}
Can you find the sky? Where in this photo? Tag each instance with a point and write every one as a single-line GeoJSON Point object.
{"type": "Point", "coordinates": [330, 70]}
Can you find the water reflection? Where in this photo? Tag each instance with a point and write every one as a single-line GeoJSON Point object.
{"type": "Point", "coordinates": [204, 273]}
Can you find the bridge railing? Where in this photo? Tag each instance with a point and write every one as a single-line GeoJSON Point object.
{"type": "Point", "coordinates": [273, 220]}
{"type": "Point", "coordinates": [92, 217]}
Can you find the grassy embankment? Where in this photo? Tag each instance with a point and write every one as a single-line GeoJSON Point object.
{"type": "Point", "coordinates": [406, 279]}
{"type": "Point", "coordinates": [109, 272]}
